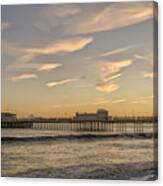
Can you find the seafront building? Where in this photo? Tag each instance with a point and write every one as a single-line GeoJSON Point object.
{"type": "Point", "coordinates": [7, 116]}
{"type": "Point", "coordinates": [100, 115]}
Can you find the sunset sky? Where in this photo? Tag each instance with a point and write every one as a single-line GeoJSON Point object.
{"type": "Point", "coordinates": [59, 59]}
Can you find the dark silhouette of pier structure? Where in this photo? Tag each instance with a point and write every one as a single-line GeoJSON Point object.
{"type": "Point", "coordinates": [120, 125]}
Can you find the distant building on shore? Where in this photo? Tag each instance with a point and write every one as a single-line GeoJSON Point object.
{"type": "Point", "coordinates": [100, 115]}
{"type": "Point", "coordinates": [7, 116]}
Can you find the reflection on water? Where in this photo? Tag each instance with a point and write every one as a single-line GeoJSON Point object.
{"type": "Point", "coordinates": [41, 156]}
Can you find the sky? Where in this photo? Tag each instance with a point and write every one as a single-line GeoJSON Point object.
{"type": "Point", "coordinates": [65, 58]}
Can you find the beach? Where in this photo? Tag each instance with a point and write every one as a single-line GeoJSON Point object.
{"type": "Point", "coordinates": [77, 155]}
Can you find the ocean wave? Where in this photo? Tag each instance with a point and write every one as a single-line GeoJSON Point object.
{"type": "Point", "coordinates": [128, 171]}
{"type": "Point", "coordinates": [77, 137]}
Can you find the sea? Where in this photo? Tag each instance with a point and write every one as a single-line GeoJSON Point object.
{"type": "Point", "coordinates": [49, 153]}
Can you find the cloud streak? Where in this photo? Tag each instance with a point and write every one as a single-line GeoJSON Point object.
{"type": "Point", "coordinates": [143, 100]}
{"type": "Point", "coordinates": [108, 69]}
{"type": "Point", "coordinates": [116, 51]}
{"type": "Point", "coordinates": [148, 75]}
{"type": "Point", "coordinates": [113, 67]}
{"type": "Point", "coordinates": [119, 101]}
{"type": "Point", "coordinates": [62, 82]}
{"type": "Point", "coordinates": [23, 77]}
{"type": "Point", "coordinates": [49, 66]}
{"type": "Point", "coordinates": [67, 45]}
{"type": "Point", "coordinates": [145, 57]}
{"type": "Point", "coordinates": [140, 102]}
{"type": "Point", "coordinates": [107, 87]}
{"type": "Point", "coordinates": [103, 101]}
{"type": "Point", "coordinates": [107, 76]}
{"type": "Point", "coordinates": [25, 56]}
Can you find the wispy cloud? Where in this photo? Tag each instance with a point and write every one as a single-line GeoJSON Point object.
{"type": "Point", "coordinates": [36, 66]}
{"type": "Point", "coordinates": [76, 19]}
{"type": "Point", "coordinates": [128, 14]}
{"type": "Point", "coordinates": [143, 100]}
{"type": "Point", "coordinates": [49, 67]}
{"type": "Point", "coordinates": [71, 105]}
{"type": "Point", "coordinates": [145, 57]}
{"type": "Point", "coordinates": [119, 101]}
{"type": "Point", "coordinates": [103, 101]}
{"type": "Point", "coordinates": [23, 77]}
{"type": "Point", "coordinates": [67, 45]}
{"type": "Point", "coordinates": [107, 87]}
{"type": "Point", "coordinates": [113, 67]}
{"type": "Point", "coordinates": [108, 69]}
{"type": "Point", "coordinates": [148, 74]}
{"type": "Point", "coordinates": [107, 74]}
{"type": "Point", "coordinates": [108, 78]}
{"type": "Point", "coordinates": [25, 55]}
{"type": "Point", "coordinates": [116, 51]}
{"type": "Point", "coordinates": [139, 102]}
{"type": "Point", "coordinates": [62, 82]}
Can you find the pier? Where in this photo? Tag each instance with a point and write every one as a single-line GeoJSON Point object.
{"type": "Point", "coordinates": [93, 126]}
{"type": "Point", "coordinates": [100, 121]}
{"type": "Point", "coordinates": [16, 124]}
{"type": "Point", "coordinates": [78, 126]}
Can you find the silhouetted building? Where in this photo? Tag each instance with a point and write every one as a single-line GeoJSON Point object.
{"type": "Point", "coordinates": [100, 115]}
{"type": "Point", "coordinates": [7, 116]}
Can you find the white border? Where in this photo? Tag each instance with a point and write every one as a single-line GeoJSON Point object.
{"type": "Point", "coordinates": [59, 182]}
{"type": "Point", "coordinates": [61, 1]}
